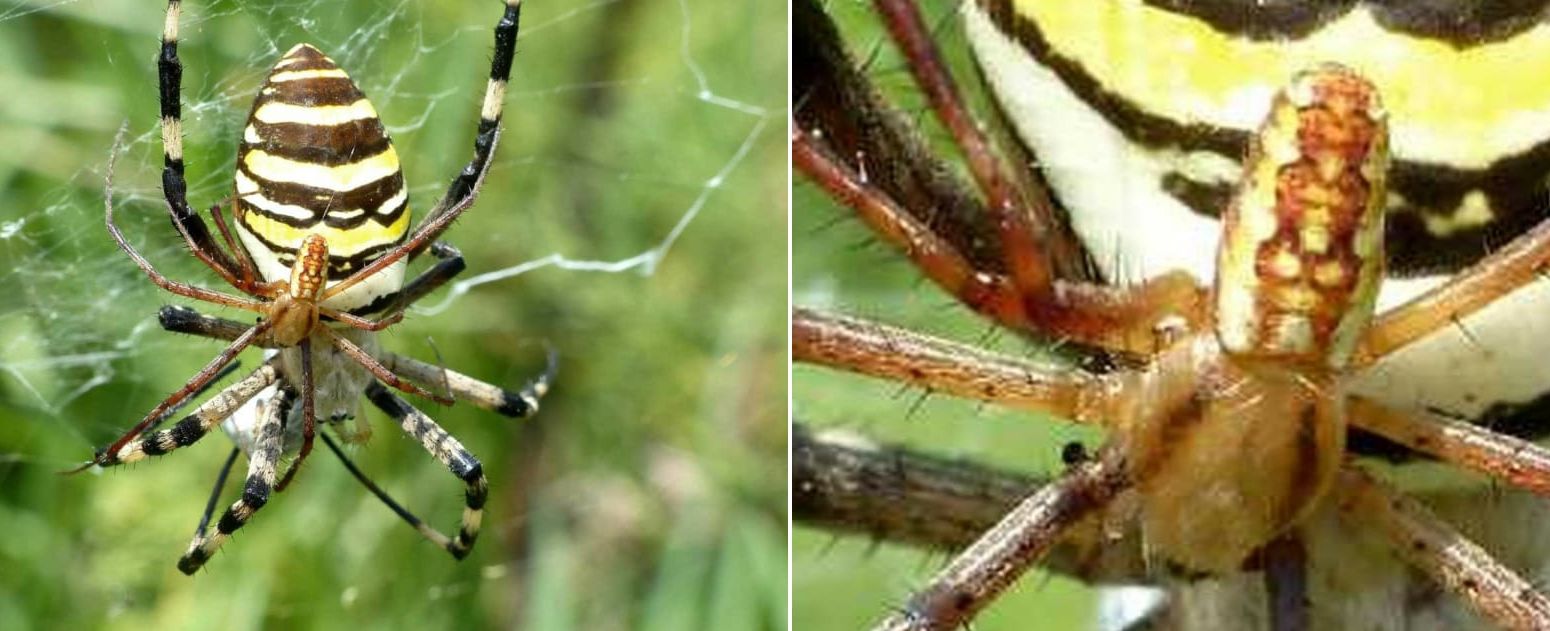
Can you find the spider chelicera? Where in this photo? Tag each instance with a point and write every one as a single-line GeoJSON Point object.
{"type": "Point", "coordinates": [1226, 405]}
{"type": "Point", "coordinates": [322, 242]}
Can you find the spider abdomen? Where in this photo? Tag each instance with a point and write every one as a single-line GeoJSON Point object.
{"type": "Point", "coordinates": [338, 380]}
{"type": "Point", "coordinates": [315, 159]}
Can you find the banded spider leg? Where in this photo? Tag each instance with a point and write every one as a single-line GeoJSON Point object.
{"type": "Point", "coordinates": [267, 440]}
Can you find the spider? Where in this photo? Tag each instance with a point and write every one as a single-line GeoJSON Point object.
{"type": "Point", "coordinates": [323, 224]}
{"type": "Point", "coordinates": [1014, 259]}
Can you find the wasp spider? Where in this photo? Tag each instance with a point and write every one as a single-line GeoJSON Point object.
{"type": "Point", "coordinates": [322, 242]}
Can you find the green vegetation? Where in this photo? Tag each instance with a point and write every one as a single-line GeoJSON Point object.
{"type": "Point", "coordinates": [648, 494]}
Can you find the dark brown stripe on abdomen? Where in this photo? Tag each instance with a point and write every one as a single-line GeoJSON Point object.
{"type": "Point", "coordinates": [321, 144]}
{"type": "Point", "coordinates": [312, 91]}
{"type": "Point", "coordinates": [319, 200]}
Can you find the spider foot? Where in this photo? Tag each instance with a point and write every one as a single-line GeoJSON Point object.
{"type": "Point", "coordinates": [193, 559]}
{"type": "Point", "coordinates": [524, 403]}
{"type": "Point", "coordinates": [99, 458]}
{"type": "Point", "coordinates": [84, 466]}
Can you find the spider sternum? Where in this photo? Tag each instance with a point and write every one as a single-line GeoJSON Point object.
{"type": "Point", "coordinates": [1228, 452]}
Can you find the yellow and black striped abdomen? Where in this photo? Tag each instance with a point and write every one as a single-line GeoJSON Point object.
{"type": "Point", "coordinates": [314, 158]}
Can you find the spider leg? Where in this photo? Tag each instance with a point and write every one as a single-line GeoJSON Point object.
{"type": "Point", "coordinates": [1031, 282]}
{"type": "Point", "coordinates": [246, 267]}
{"type": "Point", "coordinates": [180, 288]}
{"type": "Point", "coordinates": [1021, 217]}
{"type": "Point", "coordinates": [215, 492]}
{"type": "Point", "coordinates": [1432, 546]}
{"type": "Point", "coordinates": [903, 356]}
{"type": "Point", "coordinates": [431, 534]}
{"type": "Point", "coordinates": [196, 234]}
{"type": "Point", "coordinates": [989, 294]}
{"type": "Point", "coordinates": [392, 306]}
{"type": "Point", "coordinates": [449, 264]}
{"type": "Point", "coordinates": [1509, 268]}
{"type": "Point", "coordinates": [364, 324]}
{"type": "Point", "coordinates": [1286, 582]}
{"type": "Point", "coordinates": [223, 373]}
{"type": "Point", "coordinates": [134, 446]}
{"type": "Point", "coordinates": [181, 319]}
{"type": "Point", "coordinates": [1512, 460]}
{"type": "Point", "coordinates": [847, 483]}
{"type": "Point", "coordinates": [220, 480]}
{"type": "Point", "coordinates": [267, 445]}
{"type": "Point", "coordinates": [832, 95]}
{"type": "Point", "coordinates": [308, 415]}
{"type": "Point", "coordinates": [465, 187]}
{"type": "Point", "coordinates": [194, 426]}
{"type": "Point", "coordinates": [377, 369]}
{"type": "Point", "coordinates": [451, 453]}
{"type": "Point", "coordinates": [974, 578]}
{"type": "Point", "coordinates": [1122, 318]}
{"type": "Point", "coordinates": [517, 404]}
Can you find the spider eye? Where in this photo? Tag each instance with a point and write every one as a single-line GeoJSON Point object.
{"type": "Point", "coordinates": [1302, 245]}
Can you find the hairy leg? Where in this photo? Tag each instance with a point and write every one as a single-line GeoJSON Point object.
{"type": "Point", "coordinates": [450, 453]}
{"type": "Point", "coordinates": [268, 441]}
{"type": "Point", "coordinates": [1436, 549]}
{"type": "Point", "coordinates": [977, 576]}
{"type": "Point", "coordinates": [134, 446]}
{"type": "Point", "coordinates": [521, 403]}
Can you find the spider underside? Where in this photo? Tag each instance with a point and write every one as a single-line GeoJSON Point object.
{"type": "Point", "coordinates": [1007, 258]}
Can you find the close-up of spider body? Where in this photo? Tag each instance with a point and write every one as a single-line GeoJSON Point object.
{"type": "Point", "coordinates": [322, 223]}
{"type": "Point", "coordinates": [1154, 143]}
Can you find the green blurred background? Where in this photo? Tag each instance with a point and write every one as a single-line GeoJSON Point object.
{"type": "Point", "coordinates": [648, 494]}
{"type": "Point", "coordinates": [851, 582]}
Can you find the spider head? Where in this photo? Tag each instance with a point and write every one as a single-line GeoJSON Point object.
{"type": "Point", "coordinates": [1302, 247]}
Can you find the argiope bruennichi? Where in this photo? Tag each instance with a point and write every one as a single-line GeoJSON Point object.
{"type": "Point", "coordinates": [322, 242]}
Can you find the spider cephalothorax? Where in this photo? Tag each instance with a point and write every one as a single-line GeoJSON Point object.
{"type": "Point", "coordinates": [323, 239]}
{"type": "Point", "coordinates": [1227, 405]}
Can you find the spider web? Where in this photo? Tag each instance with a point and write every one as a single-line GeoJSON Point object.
{"type": "Point", "coordinates": [76, 309]}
